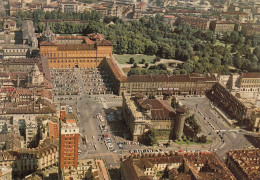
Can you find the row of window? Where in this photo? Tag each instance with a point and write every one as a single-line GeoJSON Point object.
{"type": "Point", "coordinates": [70, 143]}
{"type": "Point", "coordinates": [250, 81]}
{"type": "Point", "coordinates": [15, 50]}
{"type": "Point", "coordinates": [70, 139]}
{"type": "Point", "coordinates": [62, 61]}
{"type": "Point", "coordinates": [70, 130]}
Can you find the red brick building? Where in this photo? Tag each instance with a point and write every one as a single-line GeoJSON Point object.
{"type": "Point", "coordinates": [62, 112]}
{"type": "Point", "coordinates": [69, 139]}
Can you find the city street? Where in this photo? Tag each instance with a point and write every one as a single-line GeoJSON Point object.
{"type": "Point", "coordinates": [215, 127]}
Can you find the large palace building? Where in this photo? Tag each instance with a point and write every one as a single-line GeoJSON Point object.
{"type": "Point", "coordinates": [76, 51]}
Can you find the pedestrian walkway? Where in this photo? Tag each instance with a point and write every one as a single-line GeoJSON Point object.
{"type": "Point", "coordinates": [104, 103]}
{"type": "Point", "coordinates": [102, 169]}
{"type": "Point", "coordinates": [80, 80]}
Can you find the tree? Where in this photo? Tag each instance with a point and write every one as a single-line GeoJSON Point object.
{"type": "Point", "coordinates": [192, 122]}
{"type": "Point", "coordinates": [202, 139]}
{"type": "Point", "coordinates": [174, 103]}
{"type": "Point", "coordinates": [149, 138]}
{"type": "Point", "coordinates": [162, 67]}
{"type": "Point", "coordinates": [157, 59]}
{"type": "Point", "coordinates": [146, 65]}
{"type": "Point", "coordinates": [256, 52]}
{"type": "Point", "coordinates": [131, 60]}
{"type": "Point", "coordinates": [135, 65]}
{"type": "Point", "coordinates": [143, 61]}
{"type": "Point", "coordinates": [151, 49]}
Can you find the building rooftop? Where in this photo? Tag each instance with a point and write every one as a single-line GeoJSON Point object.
{"type": "Point", "coordinates": [251, 75]}
{"type": "Point", "coordinates": [115, 69]}
{"type": "Point", "coordinates": [53, 129]}
{"type": "Point", "coordinates": [160, 110]}
{"type": "Point", "coordinates": [172, 78]}
{"type": "Point", "coordinates": [248, 160]}
{"type": "Point", "coordinates": [205, 165]}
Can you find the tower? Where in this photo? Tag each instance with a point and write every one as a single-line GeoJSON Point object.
{"type": "Point", "coordinates": [48, 35]}
{"type": "Point", "coordinates": [7, 31]}
{"type": "Point", "coordinates": [69, 138]}
{"type": "Point", "coordinates": [62, 113]}
{"type": "Point", "coordinates": [179, 125]}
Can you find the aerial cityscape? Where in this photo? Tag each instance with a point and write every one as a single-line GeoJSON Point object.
{"type": "Point", "coordinates": [129, 89]}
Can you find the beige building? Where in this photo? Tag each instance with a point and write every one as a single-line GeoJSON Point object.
{"type": "Point", "coordinates": [250, 85]}
{"type": "Point", "coordinates": [255, 121]}
{"type": "Point", "coordinates": [27, 161]}
{"type": "Point", "coordinates": [222, 26]}
{"type": "Point", "coordinates": [142, 114]}
{"type": "Point", "coordinates": [190, 84]}
{"type": "Point", "coordinates": [31, 134]}
{"type": "Point", "coordinates": [69, 7]}
{"type": "Point", "coordinates": [244, 163]}
{"type": "Point", "coordinates": [6, 173]}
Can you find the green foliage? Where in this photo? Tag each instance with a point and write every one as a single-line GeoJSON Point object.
{"type": "Point", "coordinates": [143, 61]}
{"type": "Point", "coordinates": [149, 138]}
{"type": "Point", "coordinates": [174, 103]}
{"type": "Point", "coordinates": [140, 71]}
{"type": "Point", "coordinates": [131, 60]}
{"type": "Point", "coordinates": [39, 15]}
{"type": "Point", "coordinates": [192, 122]}
{"type": "Point", "coordinates": [158, 67]}
{"type": "Point", "coordinates": [151, 36]}
{"type": "Point", "coordinates": [202, 139]}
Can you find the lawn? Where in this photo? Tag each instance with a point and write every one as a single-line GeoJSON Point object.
{"type": "Point", "coordinates": [124, 59]}
{"type": "Point", "coordinates": [220, 43]}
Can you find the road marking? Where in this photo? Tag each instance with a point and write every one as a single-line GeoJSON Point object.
{"type": "Point", "coordinates": [222, 146]}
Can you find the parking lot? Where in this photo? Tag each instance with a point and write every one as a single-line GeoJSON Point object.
{"type": "Point", "coordinates": [96, 81]}
{"type": "Point", "coordinates": [64, 82]}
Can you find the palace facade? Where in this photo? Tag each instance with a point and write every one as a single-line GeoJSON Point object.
{"type": "Point", "coordinates": [76, 51]}
{"type": "Point", "coordinates": [188, 84]}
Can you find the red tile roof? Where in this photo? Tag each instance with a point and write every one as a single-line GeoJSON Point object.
{"type": "Point", "coordinates": [251, 75]}
{"type": "Point", "coordinates": [53, 130]}
{"type": "Point", "coordinates": [160, 110]}
{"type": "Point", "coordinates": [104, 43]}
{"type": "Point", "coordinates": [116, 71]}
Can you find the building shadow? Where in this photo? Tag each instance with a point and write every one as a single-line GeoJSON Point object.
{"type": "Point", "coordinates": [117, 123]}
{"type": "Point", "coordinates": [254, 140]}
